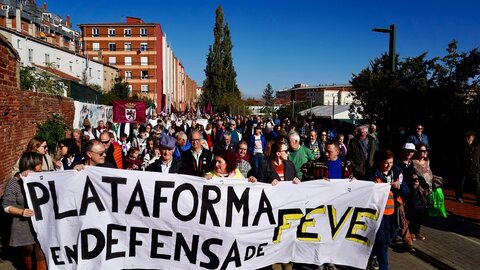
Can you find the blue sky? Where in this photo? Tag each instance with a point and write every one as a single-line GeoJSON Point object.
{"type": "Point", "coordinates": [287, 42]}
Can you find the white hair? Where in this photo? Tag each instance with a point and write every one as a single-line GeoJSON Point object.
{"type": "Point", "coordinates": [294, 136]}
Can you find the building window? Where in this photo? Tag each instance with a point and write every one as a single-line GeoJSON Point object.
{"type": "Point", "coordinates": [111, 32]}
{"type": "Point", "coordinates": [144, 88]}
{"type": "Point", "coordinates": [144, 61]}
{"type": "Point", "coordinates": [90, 72]}
{"type": "Point", "coordinates": [128, 61]}
{"type": "Point", "coordinates": [47, 58]}
{"type": "Point", "coordinates": [70, 66]}
{"type": "Point", "coordinates": [19, 44]}
{"type": "Point", "coordinates": [58, 62]}
{"type": "Point", "coordinates": [95, 32]}
{"type": "Point", "coordinates": [129, 89]}
{"type": "Point", "coordinates": [112, 60]}
{"type": "Point", "coordinates": [128, 75]}
{"type": "Point", "coordinates": [143, 32]}
{"type": "Point", "coordinates": [30, 55]}
{"type": "Point", "coordinates": [144, 74]}
{"type": "Point", "coordinates": [143, 47]}
{"type": "Point", "coordinates": [127, 32]}
{"type": "Point", "coordinates": [96, 46]}
{"type": "Point", "coordinates": [112, 46]}
{"type": "Point", "coordinates": [128, 47]}
{"type": "Point", "coordinates": [98, 73]}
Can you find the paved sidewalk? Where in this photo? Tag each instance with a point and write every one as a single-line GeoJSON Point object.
{"type": "Point", "coordinates": [454, 242]}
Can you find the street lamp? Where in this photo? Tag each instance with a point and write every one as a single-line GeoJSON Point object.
{"type": "Point", "coordinates": [391, 52]}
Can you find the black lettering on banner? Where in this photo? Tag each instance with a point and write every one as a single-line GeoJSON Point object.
{"type": "Point", "coordinates": [72, 254]}
{"type": "Point", "coordinates": [38, 201]}
{"type": "Point", "coordinates": [88, 254]}
{"type": "Point", "coordinates": [260, 249]}
{"type": "Point", "coordinates": [356, 224]}
{"type": "Point", "coordinates": [233, 255]}
{"type": "Point", "coordinates": [137, 192]}
{"type": "Point", "coordinates": [175, 199]}
{"type": "Point", "coordinates": [114, 181]}
{"type": "Point", "coordinates": [249, 253]}
{"type": "Point", "coordinates": [305, 222]}
{"type": "Point", "coordinates": [214, 261]}
{"type": "Point", "coordinates": [156, 244]}
{"type": "Point", "coordinates": [87, 200]}
{"type": "Point", "coordinates": [157, 196]}
{"type": "Point", "coordinates": [58, 215]}
{"type": "Point", "coordinates": [55, 256]}
{"type": "Point", "coordinates": [232, 200]}
{"type": "Point", "coordinates": [180, 244]}
{"type": "Point", "coordinates": [207, 205]}
{"type": "Point", "coordinates": [284, 216]}
{"type": "Point", "coordinates": [264, 207]}
{"type": "Point", "coordinates": [133, 239]}
{"type": "Point", "coordinates": [113, 241]}
{"type": "Point", "coordinates": [332, 217]}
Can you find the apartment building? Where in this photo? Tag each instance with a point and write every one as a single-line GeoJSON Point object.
{"type": "Point", "coordinates": [25, 17]}
{"type": "Point", "coordinates": [338, 94]}
{"type": "Point", "coordinates": [134, 47]}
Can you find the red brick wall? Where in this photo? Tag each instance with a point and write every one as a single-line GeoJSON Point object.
{"type": "Point", "coordinates": [21, 110]}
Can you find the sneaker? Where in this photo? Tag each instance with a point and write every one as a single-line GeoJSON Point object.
{"type": "Point", "coordinates": [421, 237]}
{"type": "Point", "coordinates": [374, 264]}
{"type": "Point", "coordinates": [398, 240]}
{"type": "Point", "coordinates": [459, 200]}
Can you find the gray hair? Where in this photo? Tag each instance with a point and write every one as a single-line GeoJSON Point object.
{"type": "Point", "coordinates": [294, 136]}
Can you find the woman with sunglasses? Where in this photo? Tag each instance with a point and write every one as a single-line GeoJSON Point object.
{"type": "Point", "coordinates": [39, 146]}
{"type": "Point", "coordinates": [277, 167]}
{"type": "Point", "coordinates": [70, 154]}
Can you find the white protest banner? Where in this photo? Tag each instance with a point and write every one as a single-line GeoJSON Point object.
{"type": "Point", "coordinates": [102, 218]}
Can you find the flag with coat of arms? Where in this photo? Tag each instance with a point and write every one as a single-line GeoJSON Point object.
{"type": "Point", "coordinates": [129, 111]}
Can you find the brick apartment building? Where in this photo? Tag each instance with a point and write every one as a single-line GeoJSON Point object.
{"type": "Point", "coordinates": [134, 47]}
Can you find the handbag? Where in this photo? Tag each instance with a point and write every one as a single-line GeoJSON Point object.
{"type": "Point", "coordinates": [436, 202]}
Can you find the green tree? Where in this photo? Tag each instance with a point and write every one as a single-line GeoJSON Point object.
{"type": "Point", "coordinates": [220, 76]}
{"type": "Point", "coordinates": [268, 96]}
{"type": "Point", "coordinates": [41, 81]}
{"type": "Point", "coordinates": [439, 92]}
{"type": "Point", "coordinates": [53, 130]}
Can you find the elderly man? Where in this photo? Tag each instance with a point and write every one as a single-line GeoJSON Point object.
{"type": "Point", "coordinates": [227, 142]}
{"type": "Point", "coordinates": [361, 149]}
{"type": "Point", "coordinates": [299, 154]}
{"type": "Point", "coordinates": [317, 146]}
{"type": "Point", "coordinates": [235, 135]}
{"type": "Point", "coordinates": [113, 149]}
{"type": "Point", "coordinates": [166, 163]}
{"type": "Point", "coordinates": [95, 154]}
{"type": "Point", "coordinates": [182, 144]}
{"type": "Point", "coordinates": [197, 160]}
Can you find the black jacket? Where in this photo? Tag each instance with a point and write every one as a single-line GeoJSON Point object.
{"type": "Point", "coordinates": [157, 166]}
{"type": "Point", "coordinates": [189, 165]}
{"type": "Point", "coordinates": [267, 173]}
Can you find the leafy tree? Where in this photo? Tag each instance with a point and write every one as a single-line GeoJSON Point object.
{"type": "Point", "coordinates": [220, 76]}
{"type": "Point", "coordinates": [41, 81]}
{"type": "Point", "coordinates": [439, 92]}
{"type": "Point", "coordinates": [268, 96]}
{"type": "Point", "coordinates": [52, 130]}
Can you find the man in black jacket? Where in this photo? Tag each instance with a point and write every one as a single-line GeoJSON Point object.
{"type": "Point", "coordinates": [197, 160]}
{"type": "Point", "coordinates": [166, 163]}
{"type": "Point", "coordinates": [468, 163]}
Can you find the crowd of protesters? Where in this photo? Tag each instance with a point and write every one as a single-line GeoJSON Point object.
{"type": "Point", "coordinates": [256, 148]}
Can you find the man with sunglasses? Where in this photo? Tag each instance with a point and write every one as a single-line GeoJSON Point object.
{"type": "Point", "coordinates": [95, 154]}
{"type": "Point", "coordinates": [113, 149]}
{"type": "Point", "coordinates": [419, 138]}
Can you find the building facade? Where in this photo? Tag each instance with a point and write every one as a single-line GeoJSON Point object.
{"type": "Point", "coordinates": [338, 94]}
{"type": "Point", "coordinates": [135, 48]}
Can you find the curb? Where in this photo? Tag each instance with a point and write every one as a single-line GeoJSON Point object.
{"type": "Point", "coordinates": [440, 263]}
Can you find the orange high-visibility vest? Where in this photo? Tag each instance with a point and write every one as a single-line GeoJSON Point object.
{"type": "Point", "coordinates": [390, 206]}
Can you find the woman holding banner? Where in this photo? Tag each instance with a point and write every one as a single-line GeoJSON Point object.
{"type": "Point", "coordinates": [225, 166]}
{"type": "Point", "coordinates": [14, 204]}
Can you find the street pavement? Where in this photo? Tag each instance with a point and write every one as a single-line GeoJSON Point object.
{"type": "Point", "coordinates": [451, 243]}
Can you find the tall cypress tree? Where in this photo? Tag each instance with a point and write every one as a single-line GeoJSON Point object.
{"type": "Point", "coordinates": [220, 74]}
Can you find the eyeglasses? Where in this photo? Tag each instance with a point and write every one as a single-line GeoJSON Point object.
{"type": "Point", "coordinates": [242, 149]}
{"type": "Point", "coordinates": [105, 142]}
{"type": "Point", "coordinates": [100, 153]}
{"type": "Point", "coordinates": [194, 140]}
{"type": "Point", "coordinates": [422, 151]}
{"type": "Point", "coordinates": [61, 146]}
{"type": "Point", "coordinates": [324, 134]}
{"type": "Point", "coordinates": [286, 151]}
